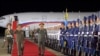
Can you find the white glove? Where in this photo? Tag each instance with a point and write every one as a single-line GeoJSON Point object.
{"type": "Point", "coordinates": [82, 32]}
{"type": "Point", "coordinates": [87, 32]}
{"type": "Point", "coordinates": [78, 32]}
{"type": "Point", "coordinates": [98, 33]}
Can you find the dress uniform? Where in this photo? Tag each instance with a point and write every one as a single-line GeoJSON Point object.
{"type": "Point", "coordinates": [91, 29]}
{"type": "Point", "coordinates": [96, 38]}
{"type": "Point", "coordinates": [9, 38]}
{"type": "Point", "coordinates": [67, 37]}
{"type": "Point", "coordinates": [20, 40]}
{"type": "Point", "coordinates": [80, 37]}
{"type": "Point", "coordinates": [62, 30]}
{"type": "Point", "coordinates": [76, 35]}
{"type": "Point", "coordinates": [42, 36]}
{"type": "Point", "coordinates": [72, 39]}
{"type": "Point", "coordinates": [98, 48]}
{"type": "Point", "coordinates": [86, 38]}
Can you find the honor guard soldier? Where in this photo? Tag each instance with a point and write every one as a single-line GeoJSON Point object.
{"type": "Point", "coordinates": [80, 37]}
{"type": "Point", "coordinates": [9, 37]}
{"type": "Point", "coordinates": [85, 39]}
{"type": "Point", "coordinates": [62, 29]}
{"type": "Point", "coordinates": [20, 40]}
{"type": "Point", "coordinates": [72, 39]}
{"type": "Point", "coordinates": [98, 44]}
{"type": "Point", "coordinates": [42, 36]}
{"type": "Point", "coordinates": [67, 33]}
{"type": "Point", "coordinates": [76, 35]}
{"type": "Point", "coordinates": [91, 29]}
{"type": "Point", "coordinates": [96, 38]}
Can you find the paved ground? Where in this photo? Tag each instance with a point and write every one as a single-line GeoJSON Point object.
{"type": "Point", "coordinates": [53, 51]}
{"type": "Point", "coordinates": [3, 51]}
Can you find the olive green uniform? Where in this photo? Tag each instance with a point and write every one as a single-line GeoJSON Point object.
{"type": "Point", "coordinates": [42, 35]}
{"type": "Point", "coordinates": [9, 38]}
{"type": "Point", "coordinates": [20, 41]}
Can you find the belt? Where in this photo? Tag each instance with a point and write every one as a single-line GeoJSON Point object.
{"type": "Point", "coordinates": [82, 32]}
{"type": "Point", "coordinates": [85, 35]}
{"type": "Point", "coordinates": [95, 35]}
{"type": "Point", "coordinates": [87, 32]}
{"type": "Point", "coordinates": [9, 36]}
{"type": "Point", "coordinates": [90, 35]}
{"type": "Point", "coordinates": [75, 35]}
{"type": "Point", "coordinates": [71, 35]}
{"type": "Point", "coordinates": [98, 33]}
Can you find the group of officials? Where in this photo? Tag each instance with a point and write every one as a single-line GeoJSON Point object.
{"type": "Point", "coordinates": [9, 34]}
{"type": "Point", "coordinates": [9, 39]}
{"type": "Point", "coordinates": [78, 38]}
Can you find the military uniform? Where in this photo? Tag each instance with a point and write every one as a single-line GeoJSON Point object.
{"type": "Point", "coordinates": [62, 39]}
{"type": "Point", "coordinates": [97, 39]}
{"type": "Point", "coordinates": [80, 39]}
{"type": "Point", "coordinates": [98, 45]}
{"type": "Point", "coordinates": [9, 39]}
{"type": "Point", "coordinates": [76, 38]}
{"type": "Point", "coordinates": [68, 32]}
{"type": "Point", "coordinates": [20, 41]}
{"type": "Point", "coordinates": [42, 36]}
{"type": "Point", "coordinates": [72, 39]}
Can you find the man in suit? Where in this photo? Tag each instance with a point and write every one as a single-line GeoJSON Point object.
{"type": "Point", "coordinates": [20, 40]}
{"type": "Point", "coordinates": [42, 36]}
{"type": "Point", "coordinates": [9, 37]}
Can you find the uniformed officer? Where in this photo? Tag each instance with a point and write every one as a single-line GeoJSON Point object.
{"type": "Point", "coordinates": [20, 40]}
{"type": "Point", "coordinates": [86, 38]}
{"type": "Point", "coordinates": [68, 33]}
{"type": "Point", "coordinates": [80, 37]}
{"type": "Point", "coordinates": [91, 29]}
{"type": "Point", "coordinates": [76, 35]}
{"type": "Point", "coordinates": [72, 39]}
{"type": "Point", "coordinates": [96, 38]}
{"type": "Point", "coordinates": [62, 29]}
{"type": "Point", "coordinates": [9, 37]}
{"type": "Point", "coordinates": [98, 44]}
{"type": "Point", "coordinates": [79, 40]}
{"type": "Point", "coordinates": [42, 36]}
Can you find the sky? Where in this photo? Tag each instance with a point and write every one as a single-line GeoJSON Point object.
{"type": "Point", "coordinates": [16, 6]}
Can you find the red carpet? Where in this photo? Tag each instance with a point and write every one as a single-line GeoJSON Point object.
{"type": "Point", "coordinates": [31, 49]}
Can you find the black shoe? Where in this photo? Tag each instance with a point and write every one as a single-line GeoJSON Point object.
{"type": "Point", "coordinates": [42, 54]}
{"type": "Point", "coordinates": [20, 55]}
{"type": "Point", "coordinates": [39, 54]}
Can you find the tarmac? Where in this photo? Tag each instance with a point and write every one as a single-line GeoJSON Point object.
{"type": "Point", "coordinates": [3, 50]}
